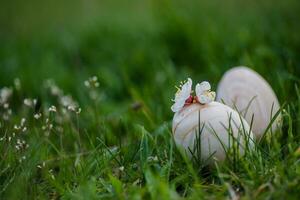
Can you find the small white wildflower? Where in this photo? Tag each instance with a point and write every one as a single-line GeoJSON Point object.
{"type": "Point", "coordinates": [7, 112]}
{"type": "Point", "coordinates": [6, 106]}
{"type": "Point", "coordinates": [16, 127]}
{"type": "Point", "coordinates": [23, 120]}
{"type": "Point", "coordinates": [74, 109]}
{"type": "Point", "coordinates": [152, 159]}
{"type": "Point", "coordinates": [52, 109]}
{"type": "Point", "coordinates": [41, 166]}
{"type": "Point", "coordinates": [5, 94]}
{"type": "Point", "coordinates": [92, 82]}
{"type": "Point", "coordinates": [21, 145]}
{"type": "Point", "coordinates": [54, 89]}
{"type": "Point", "coordinates": [71, 108]}
{"type": "Point", "coordinates": [67, 100]}
{"type": "Point", "coordinates": [182, 94]}
{"type": "Point", "coordinates": [51, 174]}
{"type": "Point", "coordinates": [5, 117]}
{"type": "Point", "coordinates": [121, 168]}
{"type": "Point", "coordinates": [28, 102]}
{"type": "Point", "coordinates": [47, 127]}
{"type": "Point", "coordinates": [87, 84]}
{"type": "Point", "coordinates": [37, 115]}
{"type": "Point", "coordinates": [24, 129]}
{"type": "Point", "coordinates": [94, 78]}
{"type": "Point", "coordinates": [204, 93]}
{"type": "Point", "coordinates": [136, 182]}
{"type": "Point", "coordinates": [17, 83]}
{"type": "Point", "coordinates": [78, 111]}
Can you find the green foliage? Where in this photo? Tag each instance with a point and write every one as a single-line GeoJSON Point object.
{"type": "Point", "coordinates": [120, 145]}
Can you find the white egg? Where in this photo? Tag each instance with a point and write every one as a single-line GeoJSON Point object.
{"type": "Point", "coordinates": [248, 92]}
{"type": "Point", "coordinates": [215, 136]}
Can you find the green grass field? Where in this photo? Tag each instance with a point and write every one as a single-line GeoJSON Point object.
{"type": "Point", "coordinates": [120, 145]}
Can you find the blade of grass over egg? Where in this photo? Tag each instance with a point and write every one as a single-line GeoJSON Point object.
{"type": "Point", "coordinates": [245, 134]}
{"type": "Point", "coordinates": [271, 122]}
{"type": "Point", "coordinates": [212, 130]}
{"type": "Point", "coordinates": [196, 149]}
{"type": "Point", "coordinates": [248, 106]}
{"type": "Point", "coordinates": [196, 152]}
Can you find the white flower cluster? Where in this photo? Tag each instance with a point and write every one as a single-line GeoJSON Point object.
{"type": "Point", "coordinates": [65, 100]}
{"type": "Point", "coordinates": [5, 110]}
{"type": "Point", "coordinates": [5, 94]}
{"type": "Point", "coordinates": [92, 82]}
{"type": "Point", "coordinates": [30, 102]}
{"type": "Point", "coordinates": [183, 96]}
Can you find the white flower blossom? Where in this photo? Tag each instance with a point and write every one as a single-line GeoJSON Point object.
{"type": "Point", "coordinates": [52, 109]}
{"type": "Point", "coordinates": [67, 101]}
{"type": "Point", "coordinates": [121, 168]}
{"type": "Point", "coordinates": [204, 93]}
{"type": "Point", "coordinates": [5, 94]}
{"type": "Point", "coordinates": [23, 120]}
{"type": "Point", "coordinates": [54, 89]}
{"type": "Point", "coordinates": [37, 115]}
{"type": "Point", "coordinates": [30, 102]}
{"type": "Point", "coordinates": [17, 83]}
{"type": "Point", "coordinates": [182, 95]}
{"type": "Point", "coordinates": [92, 82]}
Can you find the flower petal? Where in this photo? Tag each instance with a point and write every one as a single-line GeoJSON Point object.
{"type": "Point", "coordinates": [206, 97]}
{"type": "Point", "coordinates": [177, 106]}
{"type": "Point", "coordinates": [202, 87]}
{"type": "Point", "coordinates": [185, 91]}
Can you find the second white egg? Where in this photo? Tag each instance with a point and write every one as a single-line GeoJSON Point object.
{"type": "Point", "coordinates": [248, 92]}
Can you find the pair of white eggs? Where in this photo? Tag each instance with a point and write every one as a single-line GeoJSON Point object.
{"type": "Point", "coordinates": [249, 99]}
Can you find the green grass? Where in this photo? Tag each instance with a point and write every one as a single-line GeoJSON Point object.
{"type": "Point", "coordinates": [120, 145]}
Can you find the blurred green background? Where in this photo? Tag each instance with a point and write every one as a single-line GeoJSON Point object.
{"type": "Point", "coordinates": [141, 49]}
{"type": "Point", "coordinates": [146, 42]}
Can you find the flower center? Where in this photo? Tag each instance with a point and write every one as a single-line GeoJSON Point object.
{"type": "Point", "coordinates": [191, 99]}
